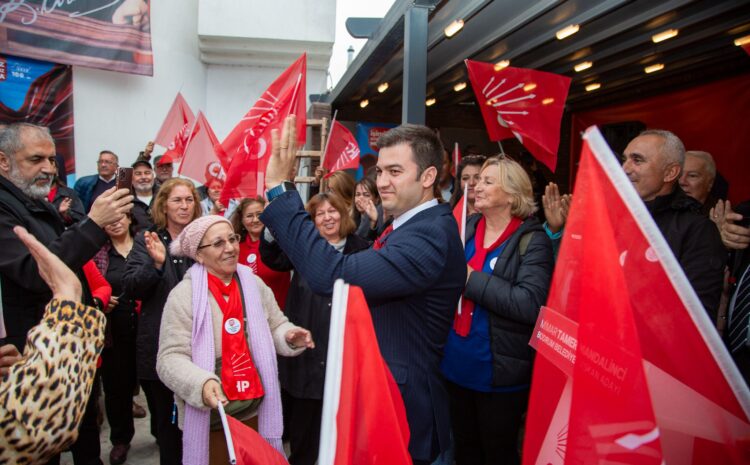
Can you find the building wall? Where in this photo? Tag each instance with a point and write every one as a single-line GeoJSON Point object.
{"type": "Point", "coordinates": [221, 54]}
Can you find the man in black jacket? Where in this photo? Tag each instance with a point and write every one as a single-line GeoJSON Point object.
{"type": "Point", "coordinates": [653, 162]}
{"type": "Point", "coordinates": [27, 167]}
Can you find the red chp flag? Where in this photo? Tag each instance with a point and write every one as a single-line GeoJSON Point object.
{"type": "Point", "coordinates": [364, 419]}
{"type": "Point", "coordinates": [630, 369]}
{"type": "Point", "coordinates": [250, 448]}
{"type": "Point", "coordinates": [245, 152]}
{"type": "Point", "coordinates": [200, 161]}
{"type": "Point", "coordinates": [175, 130]}
{"type": "Point", "coordinates": [342, 150]}
{"type": "Point", "coordinates": [521, 103]}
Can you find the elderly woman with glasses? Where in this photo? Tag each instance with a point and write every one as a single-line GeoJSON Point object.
{"type": "Point", "coordinates": [150, 274]}
{"type": "Point", "coordinates": [220, 333]}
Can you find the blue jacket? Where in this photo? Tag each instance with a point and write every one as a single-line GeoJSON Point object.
{"type": "Point", "coordinates": [85, 187]}
{"type": "Point", "coordinates": [412, 286]}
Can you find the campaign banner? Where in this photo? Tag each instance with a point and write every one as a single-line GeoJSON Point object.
{"type": "Point", "coordinates": [106, 34]}
{"type": "Point", "coordinates": [41, 93]}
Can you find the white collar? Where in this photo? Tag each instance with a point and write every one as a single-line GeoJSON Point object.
{"type": "Point", "coordinates": [110, 179]}
{"type": "Point", "coordinates": [409, 214]}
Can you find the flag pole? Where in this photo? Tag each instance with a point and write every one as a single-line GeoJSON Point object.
{"type": "Point", "coordinates": [464, 211]}
{"type": "Point", "coordinates": [328, 141]}
{"type": "Point", "coordinates": [227, 435]}
{"type": "Point", "coordinates": [501, 147]}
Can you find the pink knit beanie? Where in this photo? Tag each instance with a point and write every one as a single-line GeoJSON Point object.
{"type": "Point", "coordinates": [187, 242]}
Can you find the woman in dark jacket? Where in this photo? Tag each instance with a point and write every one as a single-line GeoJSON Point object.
{"type": "Point", "coordinates": [302, 377]}
{"type": "Point", "coordinates": [150, 275]}
{"type": "Point", "coordinates": [487, 360]}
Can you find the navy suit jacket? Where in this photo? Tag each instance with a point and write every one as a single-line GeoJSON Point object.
{"type": "Point", "coordinates": [412, 286]}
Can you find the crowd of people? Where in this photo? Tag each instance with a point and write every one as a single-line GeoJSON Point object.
{"type": "Point", "coordinates": [197, 303]}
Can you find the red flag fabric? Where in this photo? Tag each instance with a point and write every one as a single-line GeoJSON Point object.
{"type": "Point", "coordinates": [746, 48]}
{"type": "Point", "coordinates": [631, 369]}
{"type": "Point", "coordinates": [456, 159]}
{"type": "Point", "coordinates": [521, 103]}
{"type": "Point", "coordinates": [200, 162]}
{"type": "Point", "coordinates": [364, 419]}
{"type": "Point", "coordinates": [250, 448]}
{"type": "Point", "coordinates": [245, 152]}
{"type": "Point", "coordinates": [342, 150]}
{"type": "Point", "coordinates": [175, 129]}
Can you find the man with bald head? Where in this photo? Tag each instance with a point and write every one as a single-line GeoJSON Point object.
{"type": "Point", "coordinates": [698, 177]}
{"type": "Point", "coordinates": [653, 162]}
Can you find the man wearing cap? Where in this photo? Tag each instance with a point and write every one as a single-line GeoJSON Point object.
{"type": "Point", "coordinates": [164, 169]}
{"type": "Point", "coordinates": [91, 187]}
{"type": "Point", "coordinates": [145, 190]}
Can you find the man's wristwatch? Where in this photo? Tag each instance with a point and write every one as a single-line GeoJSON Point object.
{"type": "Point", "coordinates": [280, 189]}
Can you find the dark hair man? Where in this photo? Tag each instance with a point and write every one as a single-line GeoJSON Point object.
{"type": "Point", "coordinates": [412, 278]}
{"type": "Point", "coordinates": [27, 167]}
{"type": "Point", "coordinates": [653, 162]}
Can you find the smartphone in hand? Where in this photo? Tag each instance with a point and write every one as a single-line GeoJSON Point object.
{"type": "Point", "coordinates": [124, 179]}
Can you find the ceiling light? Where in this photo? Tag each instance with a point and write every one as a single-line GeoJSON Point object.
{"type": "Point", "coordinates": [383, 87]}
{"type": "Point", "coordinates": [460, 86]}
{"type": "Point", "coordinates": [664, 35]}
{"type": "Point", "coordinates": [529, 87]}
{"type": "Point", "coordinates": [742, 41]}
{"type": "Point", "coordinates": [593, 86]}
{"type": "Point", "coordinates": [453, 28]}
{"type": "Point", "coordinates": [654, 68]}
{"type": "Point", "coordinates": [584, 65]}
{"type": "Point", "coordinates": [430, 102]}
{"type": "Point", "coordinates": [502, 64]}
{"type": "Point", "coordinates": [567, 31]}
{"type": "Point", "coordinates": [547, 101]}
{"type": "Point", "coordinates": [364, 103]}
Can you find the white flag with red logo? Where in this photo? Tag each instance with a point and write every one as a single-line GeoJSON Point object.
{"type": "Point", "coordinates": [342, 150]}
{"type": "Point", "coordinates": [364, 418]}
{"type": "Point", "coordinates": [200, 162]}
{"type": "Point", "coordinates": [175, 130]}
{"type": "Point", "coordinates": [246, 150]}
{"type": "Point", "coordinates": [521, 103]}
{"type": "Point", "coordinates": [630, 369]}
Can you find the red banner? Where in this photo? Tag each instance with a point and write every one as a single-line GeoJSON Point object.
{"type": "Point", "coordinates": [200, 162]}
{"type": "Point", "coordinates": [111, 35]}
{"type": "Point", "coordinates": [521, 103]}
{"type": "Point", "coordinates": [175, 130]}
{"type": "Point", "coordinates": [630, 368]}
{"type": "Point", "coordinates": [364, 418]}
{"type": "Point", "coordinates": [342, 151]}
{"type": "Point", "coordinates": [246, 150]}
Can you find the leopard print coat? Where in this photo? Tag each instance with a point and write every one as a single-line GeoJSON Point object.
{"type": "Point", "coordinates": [43, 398]}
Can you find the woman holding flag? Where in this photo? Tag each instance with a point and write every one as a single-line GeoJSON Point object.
{"type": "Point", "coordinates": [488, 360]}
{"type": "Point", "coordinates": [467, 173]}
{"type": "Point", "coordinates": [220, 333]}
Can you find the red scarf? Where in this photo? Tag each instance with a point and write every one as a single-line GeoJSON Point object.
{"type": "Point", "coordinates": [52, 193]}
{"type": "Point", "coordinates": [462, 321]}
{"type": "Point", "coordinates": [239, 377]}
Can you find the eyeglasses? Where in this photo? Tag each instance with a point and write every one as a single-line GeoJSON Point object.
{"type": "Point", "coordinates": [219, 244]}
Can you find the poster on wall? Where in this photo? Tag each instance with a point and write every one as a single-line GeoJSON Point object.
{"type": "Point", "coordinates": [367, 135]}
{"type": "Point", "coordinates": [41, 93]}
{"type": "Point", "coordinates": [107, 34]}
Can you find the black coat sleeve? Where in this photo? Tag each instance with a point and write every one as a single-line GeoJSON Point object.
{"type": "Point", "coordinates": [141, 277]}
{"type": "Point", "coordinates": [518, 295]}
{"type": "Point", "coordinates": [272, 256]}
{"type": "Point", "coordinates": [75, 246]}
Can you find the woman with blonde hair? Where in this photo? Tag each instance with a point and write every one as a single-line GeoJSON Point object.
{"type": "Point", "coordinates": [150, 274]}
{"type": "Point", "coordinates": [487, 361]}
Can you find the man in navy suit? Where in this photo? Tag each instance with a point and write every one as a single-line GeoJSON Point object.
{"type": "Point", "coordinates": [413, 280]}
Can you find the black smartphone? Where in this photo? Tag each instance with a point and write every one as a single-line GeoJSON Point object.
{"type": "Point", "coordinates": [124, 179]}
